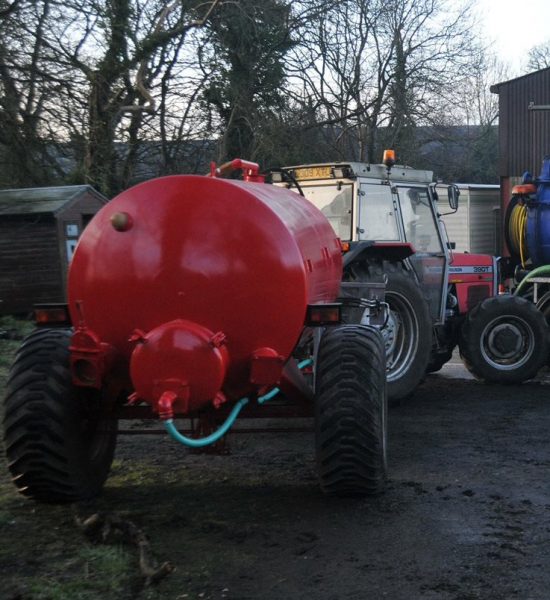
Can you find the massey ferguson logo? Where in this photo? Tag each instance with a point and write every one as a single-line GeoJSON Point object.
{"type": "Point", "coordinates": [470, 270]}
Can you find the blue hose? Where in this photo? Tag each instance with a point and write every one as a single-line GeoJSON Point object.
{"type": "Point", "coordinates": [214, 437]}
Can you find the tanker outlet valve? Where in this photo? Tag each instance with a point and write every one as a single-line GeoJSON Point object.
{"type": "Point", "coordinates": [214, 437]}
{"type": "Point", "coordinates": [165, 405]}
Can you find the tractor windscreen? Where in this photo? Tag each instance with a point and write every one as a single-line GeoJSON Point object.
{"type": "Point", "coordinates": [335, 202]}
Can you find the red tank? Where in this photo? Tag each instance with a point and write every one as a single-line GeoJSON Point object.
{"type": "Point", "coordinates": [197, 288]}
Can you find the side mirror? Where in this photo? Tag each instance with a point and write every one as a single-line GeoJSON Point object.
{"type": "Point", "coordinates": [453, 193]}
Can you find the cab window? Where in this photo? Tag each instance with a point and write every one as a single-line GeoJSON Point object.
{"type": "Point", "coordinates": [377, 214]}
{"type": "Point", "coordinates": [335, 203]}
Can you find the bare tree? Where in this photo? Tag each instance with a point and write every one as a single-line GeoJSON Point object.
{"type": "Point", "coordinates": [539, 57]}
{"type": "Point", "coordinates": [27, 85]}
{"type": "Point", "coordinates": [93, 74]}
{"type": "Point", "coordinates": [113, 52]}
{"type": "Point", "coordinates": [464, 147]}
{"type": "Point", "coordinates": [389, 66]}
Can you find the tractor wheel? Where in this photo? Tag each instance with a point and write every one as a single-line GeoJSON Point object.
{"type": "Point", "coordinates": [504, 339]}
{"type": "Point", "coordinates": [408, 331]}
{"type": "Point", "coordinates": [351, 411]}
{"type": "Point", "coordinates": [544, 306]}
{"type": "Point", "coordinates": [59, 439]}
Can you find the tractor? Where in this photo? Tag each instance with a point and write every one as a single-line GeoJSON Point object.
{"type": "Point", "coordinates": [200, 299]}
{"type": "Point", "coordinates": [387, 218]}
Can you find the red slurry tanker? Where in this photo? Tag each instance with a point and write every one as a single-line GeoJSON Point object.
{"type": "Point", "coordinates": [199, 297]}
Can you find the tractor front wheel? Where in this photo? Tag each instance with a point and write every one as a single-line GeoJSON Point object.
{"type": "Point", "coordinates": [504, 339]}
{"type": "Point", "coordinates": [351, 411]}
{"type": "Point", "coordinates": [59, 439]}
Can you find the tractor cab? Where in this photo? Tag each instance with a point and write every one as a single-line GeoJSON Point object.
{"type": "Point", "coordinates": [392, 206]}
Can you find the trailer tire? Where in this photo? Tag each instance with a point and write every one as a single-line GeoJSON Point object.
{"type": "Point", "coordinates": [59, 439]}
{"type": "Point", "coordinates": [408, 333]}
{"type": "Point", "coordinates": [504, 339]}
{"type": "Point", "coordinates": [351, 411]}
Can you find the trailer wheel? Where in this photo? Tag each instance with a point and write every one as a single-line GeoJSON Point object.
{"type": "Point", "coordinates": [504, 339]}
{"type": "Point", "coordinates": [59, 439]}
{"type": "Point", "coordinates": [408, 331]}
{"type": "Point", "coordinates": [351, 411]}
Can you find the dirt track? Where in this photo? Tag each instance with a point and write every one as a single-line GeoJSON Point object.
{"type": "Point", "coordinates": [466, 514]}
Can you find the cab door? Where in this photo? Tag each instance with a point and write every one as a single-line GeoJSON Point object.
{"type": "Point", "coordinates": [430, 260]}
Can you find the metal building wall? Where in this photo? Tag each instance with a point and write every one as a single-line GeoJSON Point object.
{"type": "Point", "coordinates": [524, 130]}
{"type": "Point", "coordinates": [483, 202]}
{"type": "Point", "coordinates": [457, 224]}
{"type": "Point", "coordinates": [472, 228]}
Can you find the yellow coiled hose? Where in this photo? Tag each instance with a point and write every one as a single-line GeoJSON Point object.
{"type": "Point", "coordinates": [517, 232]}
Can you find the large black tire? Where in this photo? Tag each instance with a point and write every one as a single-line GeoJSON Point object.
{"type": "Point", "coordinates": [351, 411]}
{"type": "Point", "coordinates": [504, 339]}
{"type": "Point", "coordinates": [543, 306]}
{"type": "Point", "coordinates": [408, 332]}
{"type": "Point", "coordinates": [59, 439]}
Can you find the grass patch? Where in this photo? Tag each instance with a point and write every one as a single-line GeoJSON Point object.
{"type": "Point", "coordinates": [95, 572]}
{"type": "Point", "coordinates": [15, 330]}
{"type": "Point", "coordinates": [7, 352]}
{"type": "Point", "coordinates": [16, 327]}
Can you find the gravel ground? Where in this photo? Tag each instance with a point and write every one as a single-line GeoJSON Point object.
{"type": "Point", "coordinates": [466, 514]}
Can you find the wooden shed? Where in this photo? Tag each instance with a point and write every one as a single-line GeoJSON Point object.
{"type": "Point", "coordinates": [39, 230]}
{"type": "Point", "coordinates": [475, 227]}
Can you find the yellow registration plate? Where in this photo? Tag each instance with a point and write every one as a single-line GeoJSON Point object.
{"type": "Point", "coordinates": [313, 173]}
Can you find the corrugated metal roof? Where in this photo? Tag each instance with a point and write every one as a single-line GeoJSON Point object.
{"type": "Point", "coordinates": [495, 88]}
{"type": "Point", "coordinates": [46, 200]}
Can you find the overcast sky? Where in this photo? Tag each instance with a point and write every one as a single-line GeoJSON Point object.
{"type": "Point", "coordinates": [515, 26]}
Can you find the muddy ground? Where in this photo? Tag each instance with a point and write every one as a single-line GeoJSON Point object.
{"type": "Point", "coordinates": [466, 514]}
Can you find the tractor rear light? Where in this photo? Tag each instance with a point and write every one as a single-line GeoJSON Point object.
{"type": "Point", "coordinates": [323, 314]}
{"type": "Point", "coordinates": [51, 315]}
{"type": "Point", "coordinates": [345, 246]}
